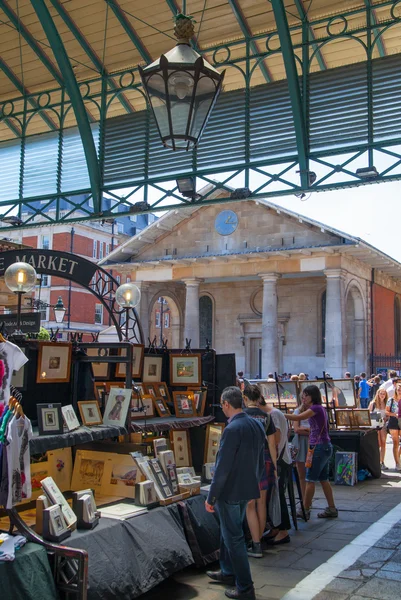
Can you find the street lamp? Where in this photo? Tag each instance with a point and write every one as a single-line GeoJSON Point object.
{"type": "Point", "coordinates": [59, 310]}
{"type": "Point", "coordinates": [20, 278]}
{"type": "Point", "coordinates": [182, 89]}
{"type": "Point", "coordinates": [128, 296]}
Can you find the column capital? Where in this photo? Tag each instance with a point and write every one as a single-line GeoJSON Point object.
{"type": "Point", "coordinates": [143, 285]}
{"type": "Point", "coordinates": [269, 277]}
{"type": "Point", "coordinates": [192, 281]}
{"type": "Point", "coordinates": [334, 273]}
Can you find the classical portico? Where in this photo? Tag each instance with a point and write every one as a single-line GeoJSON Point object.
{"type": "Point", "coordinates": [282, 292]}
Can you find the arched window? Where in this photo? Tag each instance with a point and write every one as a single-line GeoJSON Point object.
{"type": "Point", "coordinates": [323, 322]}
{"type": "Point", "coordinates": [397, 326]}
{"type": "Point", "coordinates": [205, 321]}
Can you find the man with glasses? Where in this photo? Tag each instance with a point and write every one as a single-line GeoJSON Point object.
{"type": "Point", "coordinates": [239, 469]}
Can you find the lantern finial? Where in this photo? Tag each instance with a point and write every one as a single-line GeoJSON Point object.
{"type": "Point", "coordinates": [184, 28]}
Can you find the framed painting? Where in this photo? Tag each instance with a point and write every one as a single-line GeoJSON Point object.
{"type": "Point", "coordinates": [138, 351]}
{"type": "Point", "coordinates": [142, 408]}
{"type": "Point", "coordinates": [185, 369]}
{"type": "Point", "coordinates": [120, 476]}
{"type": "Point", "coordinates": [341, 393]}
{"type": "Point", "coordinates": [50, 419]}
{"type": "Point", "coordinates": [161, 407]}
{"type": "Point", "coordinates": [54, 362]}
{"type": "Point", "coordinates": [212, 444]}
{"type": "Point", "coordinates": [268, 390]}
{"type": "Point", "coordinates": [89, 470]}
{"type": "Point", "coordinates": [90, 412]}
{"type": "Point", "coordinates": [100, 389]}
{"type": "Point", "coordinates": [100, 369]}
{"type": "Point", "coordinates": [288, 393]}
{"type": "Point", "coordinates": [150, 389]}
{"type": "Point", "coordinates": [199, 400]}
{"type": "Point", "coordinates": [361, 417]}
{"type": "Point", "coordinates": [184, 404]}
{"type": "Point", "coordinates": [343, 417]}
{"type": "Point", "coordinates": [152, 368]}
{"type": "Point", "coordinates": [162, 391]}
{"type": "Point", "coordinates": [117, 406]}
{"type": "Point", "coordinates": [179, 440]}
{"type": "Point", "coordinates": [319, 383]}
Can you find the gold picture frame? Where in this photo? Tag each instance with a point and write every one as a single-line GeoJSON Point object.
{"type": "Point", "coordinates": [184, 404]}
{"type": "Point", "coordinates": [54, 362]}
{"type": "Point", "coordinates": [200, 395]}
{"type": "Point", "coordinates": [161, 407]}
{"type": "Point", "coordinates": [179, 440]}
{"type": "Point", "coordinates": [138, 352]}
{"type": "Point", "coordinates": [214, 431]}
{"type": "Point", "coordinates": [152, 368]}
{"type": "Point", "coordinates": [185, 370]}
{"type": "Point", "coordinates": [90, 412]}
{"type": "Point", "coordinates": [136, 411]}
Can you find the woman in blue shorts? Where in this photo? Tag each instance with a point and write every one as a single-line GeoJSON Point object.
{"type": "Point", "coordinates": [320, 444]}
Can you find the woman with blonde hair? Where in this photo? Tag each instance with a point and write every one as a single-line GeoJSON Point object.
{"type": "Point", "coordinates": [378, 405]}
{"type": "Point", "coordinates": [392, 410]}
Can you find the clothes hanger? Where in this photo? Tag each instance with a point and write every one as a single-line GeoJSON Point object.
{"type": "Point", "coordinates": [2, 338]}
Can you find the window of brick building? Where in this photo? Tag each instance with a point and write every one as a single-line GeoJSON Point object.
{"type": "Point", "coordinates": [157, 314]}
{"type": "Point", "coordinates": [45, 242]}
{"type": "Point", "coordinates": [94, 249]}
{"type": "Point", "coordinates": [99, 314]}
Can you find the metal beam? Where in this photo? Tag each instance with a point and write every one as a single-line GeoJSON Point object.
{"type": "Point", "coordinates": [129, 30]}
{"type": "Point", "coordinates": [242, 22]}
{"type": "Point", "coordinates": [373, 19]}
{"type": "Point", "coordinates": [294, 89]}
{"type": "Point", "coordinates": [25, 92]}
{"type": "Point", "coordinates": [20, 27]}
{"type": "Point", "coordinates": [175, 9]}
{"type": "Point", "coordinates": [304, 18]}
{"type": "Point", "coordinates": [87, 48]}
{"type": "Point", "coordinates": [76, 99]}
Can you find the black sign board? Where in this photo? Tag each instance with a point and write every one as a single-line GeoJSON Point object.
{"type": "Point", "coordinates": [51, 262]}
{"type": "Point", "coordinates": [30, 322]}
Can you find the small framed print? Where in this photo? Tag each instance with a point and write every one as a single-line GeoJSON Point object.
{"type": "Point", "coordinates": [100, 389]}
{"type": "Point", "coordinates": [179, 439]}
{"type": "Point", "coordinates": [90, 412]}
{"type": "Point", "coordinates": [185, 369]}
{"type": "Point", "coordinates": [142, 408]}
{"type": "Point", "coordinates": [100, 369]}
{"type": "Point", "coordinates": [54, 362]}
{"type": "Point", "coordinates": [152, 368]}
{"type": "Point", "coordinates": [343, 417]}
{"type": "Point", "coordinates": [162, 391]}
{"type": "Point", "coordinates": [50, 419]}
{"type": "Point", "coordinates": [70, 418]}
{"type": "Point", "coordinates": [140, 387]}
{"type": "Point", "coordinates": [213, 437]}
{"type": "Point", "coordinates": [137, 362]}
{"type": "Point", "coordinates": [150, 389]}
{"type": "Point", "coordinates": [57, 524]}
{"type": "Point", "coordinates": [199, 400]}
{"type": "Point", "coordinates": [120, 476]}
{"type": "Point", "coordinates": [161, 407]}
{"type": "Point", "coordinates": [184, 404]}
{"type": "Point", "coordinates": [117, 407]}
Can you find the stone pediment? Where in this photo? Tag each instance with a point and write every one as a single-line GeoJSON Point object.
{"type": "Point", "coordinates": [259, 228]}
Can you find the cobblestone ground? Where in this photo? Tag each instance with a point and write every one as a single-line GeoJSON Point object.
{"type": "Point", "coordinates": [376, 574]}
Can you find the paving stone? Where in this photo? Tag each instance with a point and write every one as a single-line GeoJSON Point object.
{"type": "Point", "coordinates": [393, 575]}
{"type": "Point", "coordinates": [374, 556]}
{"type": "Point", "coordinates": [388, 541]}
{"type": "Point", "coordinates": [357, 574]}
{"type": "Point", "coordinates": [323, 543]}
{"type": "Point", "coordinates": [354, 528]}
{"type": "Point", "coordinates": [340, 584]}
{"type": "Point", "coordinates": [279, 576]}
{"type": "Point", "coordinates": [392, 566]}
{"type": "Point", "coordinates": [375, 588]}
{"type": "Point", "coordinates": [330, 596]}
{"type": "Point", "coordinates": [272, 592]}
{"type": "Point", "coordinates": [314, 559]}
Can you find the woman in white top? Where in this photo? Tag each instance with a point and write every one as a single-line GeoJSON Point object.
{"type": "Point", "coordinates": [300, 441]}
{"type": "Point", "coordinates": [378, 405]}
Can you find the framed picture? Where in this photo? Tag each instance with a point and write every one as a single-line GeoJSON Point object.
{"type": "Point", "coordinates": [179, 439]}
{"type": "Point", "coordinates": [89, 470]}
{"type": "Point", "coordinates": [57, 524]}
{"type": "Point", "coordinates": [70, 418]}
{"type": "Point", "coordinates": [319, 383]}
{"type": "Point", "coordinates": [162, 391]}
{"type": "Point", "coordinates": [18, 380]}
{"type": "Point", "coordinates": [100, 389]}
{"type": "Point", "coordinates": [199, 400]}
{"type": "Point", "coordinates": [161, 407]}
{"type": "Point", "coordinates": [152, 368]}
{"type": "Point", "coordinates": [117, 407]}
{"type": "Point", "coordinates": [184, 404]}
{"type": "Point", "coordinates": [185, 369]}
{"type": "Point", "coordinates": [361, 417]}
{"type": "Point", "coordinates": [343, 417]}
{"type": "Point", "coordinates": [150, 389]}
{"type": "Point", "coordinates": [90, 412]}
{"type": "Point", "coordinates": [341, 393]}
{"type": "Point", "coordinates": [288, 391]}
{"type": "Point", "coordinates": [212, 444]}
{"type": "Point", "coordinates": [50, 419]}
{"type": "Point", "coordinates": [142, 408]}
{"type": "Point", "coordinates": [121, 475]}
{"type": "Point", "coordinates": [137, 362]}
{"type": "Point", "coordinates": [144, 466]}
{"type": "Point", "coordinates": [54, 362]}
{"type": "Point", "coordinates": [100, 370]}
{"type": "Point", "coordinates": [268, 390]}
{"type": "Point", "coordinates": [140, 387]}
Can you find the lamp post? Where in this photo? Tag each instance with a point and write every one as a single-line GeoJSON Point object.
{"type": "Point", "coordinates": [128, 296]}
{"type": "Point", "coordinates": [59, 310]}
{"type": "Point", "coordinates": [20, 278]}
{"type": "Point", "coordinates": [182, 89]}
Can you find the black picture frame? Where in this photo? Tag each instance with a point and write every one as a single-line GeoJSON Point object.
{"type": "Point", "coordinates": [50, 419]}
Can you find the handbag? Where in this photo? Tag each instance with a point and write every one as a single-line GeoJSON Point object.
{"type": "Point", "coordinates": [311, 450]}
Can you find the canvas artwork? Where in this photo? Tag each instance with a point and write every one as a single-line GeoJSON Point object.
{"type": "Point", "coordinates": [341, 393]}
{"type": "Point", "coordinates": [268, 390]}
{"type": "Point", "coordinates": [288, 392]}
{"type": "Point", "coordinates": [117, 406]}
{"type": "Point", "coordinates": [152, 368]}
{"type": "Point", "coordinates": [54, 362]}
{"type": "Point", "coordinates": [361, 417]}
{"type": "Point", "coordinates": [185, 369]}
{"type": "Point", "coordinates": [343, 418]}
{"type": "Point", "coordinates": [89, 469]}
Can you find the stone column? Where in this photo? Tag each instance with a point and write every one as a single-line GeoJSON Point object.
{"type": "Point", "coordinates": [335, 336]}
{"type": "Point", "coordinates": [360, 352]}
{"type": "Point", "coordinates": [143, 309]}
{"type": "Point", "coordinates": [191, 327]}
{"type": "Point", "coordinates": [270, 345]}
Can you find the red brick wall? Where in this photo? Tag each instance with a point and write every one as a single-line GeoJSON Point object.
{"type": "Point", "coordinates": [30, 240]}
{"type": "Point", "coordinates": [383, 320]}
{"type": "Point", "coordinates": [82, 306]}
{"type": "Point", "coordinates": [82, 245]}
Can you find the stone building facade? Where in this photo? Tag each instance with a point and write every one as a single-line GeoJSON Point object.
{"type": "Point", "coordinates": [283, 292]}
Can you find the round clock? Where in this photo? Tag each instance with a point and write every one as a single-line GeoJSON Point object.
{"type": "Point", "coordinates": [226, 222]}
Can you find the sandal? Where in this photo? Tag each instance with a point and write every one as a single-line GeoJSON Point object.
{"type": "Point", "coordinates": [328, 513]}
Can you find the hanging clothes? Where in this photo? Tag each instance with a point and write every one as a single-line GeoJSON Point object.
{"type": "Point", "coordinates": [19, 432]}
{"type": "Point", "coordinates": [13, 359]}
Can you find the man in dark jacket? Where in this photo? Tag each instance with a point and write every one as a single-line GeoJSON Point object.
{"type": "Point", "coordinates": [239, 468]}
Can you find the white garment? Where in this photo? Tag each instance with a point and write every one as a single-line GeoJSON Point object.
{"type": "Point", "coordinates": [9, 544]}
{"type": "Point", "coordinates": [281, 424]}
{"type": "Point", "coordinates": [13, 359]}
{"type": "Point", "coordinates": [302, 423]}
{"type": "Point", "coordinates": [389, 387]}
{"type": "Point", "coordinates": [19, 432]}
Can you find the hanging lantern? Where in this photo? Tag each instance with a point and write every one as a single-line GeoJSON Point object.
{"type": "Point", "coordinates": [182, 89]}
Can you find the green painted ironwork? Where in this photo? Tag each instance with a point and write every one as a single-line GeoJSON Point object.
{"type": "Point", "coordinates": [310, 36]}
{"type": "Point", "coordinates": [343, 119]}
{"type": "Point", "coordinates": [76, 99]}
{"type": "Point", "coordinates": [130, 31]}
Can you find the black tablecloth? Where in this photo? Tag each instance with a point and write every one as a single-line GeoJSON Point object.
{"type": "Point", "coordinates": [163, 424]}
{"type": "Point", "coordinates": [82, 435]}
{"type": "Point", "coordinates": [127, 558]}
{"type": "Point", "coordinates": [201, 530]}
{"type": "Point", "coordinates": [28, 577]}
{"type": "Point", "coordinates": [365, 443]}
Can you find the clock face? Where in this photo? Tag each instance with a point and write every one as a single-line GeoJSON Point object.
{"type": "Point", "coordinates": [226, 222]}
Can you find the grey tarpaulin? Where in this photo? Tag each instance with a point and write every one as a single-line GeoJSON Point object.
{"type": "Point", "coordinates": [127, 558]}
{"type": "Point", "coordinates": [165, 423]}
{"type": "Point", "coordinates": [42, 443]}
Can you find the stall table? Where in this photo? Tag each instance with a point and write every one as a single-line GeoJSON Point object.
{"type": "Point", "coordinates": [165, 423]}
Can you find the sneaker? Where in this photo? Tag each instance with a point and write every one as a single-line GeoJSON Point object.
{"type": "Point", "coordinates": [328, 513]}
{"type": "Point", "coordinates": [300, 514]}
{"type": "Point", "coordinates": [383, 467]}
{"type": "Point", "coordinates": [398, 467]}
{"type": "Point", "coordinates": [255, 550]}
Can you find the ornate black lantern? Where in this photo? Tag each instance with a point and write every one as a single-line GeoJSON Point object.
{"type": "Point", "coordinates": [182, 89]}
